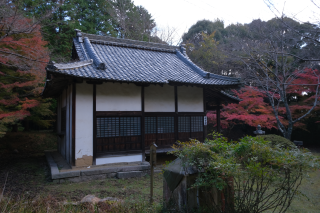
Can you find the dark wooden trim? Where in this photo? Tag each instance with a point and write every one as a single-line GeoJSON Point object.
{"type": "Point", "coordinates": [159, 114]}
{"type": "Point", "coordinates": [94, 114]}
{"type": "Point", "coordinates": [118, 113]}
{"type": "Point", "coordinates": [73, 124]}
{"type": "Point", "coordinates": [156, 114]}
{"type": "Point", "coordinates": [142, 124]}
{"type": "Point", "coordinates": [218, 118]}
{"type": "Point", "coordinates": [191, 113]}
{"type": "Point", "coordinates": [65, 138]}
{"type": "Point", "coordinates": [69, 133]}
{"type": "Point", "coordinates": [94, 82]}
{"type": "Point", "coordinates": [176, 134]}
{"type": "Point", "coordinates": [205, 131]}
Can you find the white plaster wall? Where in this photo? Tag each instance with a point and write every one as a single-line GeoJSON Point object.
{"type": "Point", "coordinates": [120, 159]}
{"type": "Point", "coordinates": [159, 99]}
{"type": "Point", "coordinates": [118, 97]}
{"type": "Point", "coordinates": [190, 99]}
{"type": "Point", "coordinates": [84, 120]}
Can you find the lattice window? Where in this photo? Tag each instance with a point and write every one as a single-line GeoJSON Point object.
{"type": "Point", "coordinates": [63, 119]}
{"type": "Point", "coordinates": [130, 126]}
{"type": "Point", "coordinates": [196, 123]}
{"type": "Point", "coordinates": [184, 124]}
{"type": "Point", "coordinates": [165, 125]}
{"type": "Point", "coordinates": [159, 125]}
{"type": "Point", "coordinates": [190, 124]}
{"type": "Point", "coordinates": [150, 125]}
{"type": "Point", "coordinates": [118, 126]}
{"type": "Point", "coordinates": [108, 127]}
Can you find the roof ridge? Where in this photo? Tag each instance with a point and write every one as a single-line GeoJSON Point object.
{"type": "Point", "coordinates": [129, 42]}
{"type": "Point", "coordinates": [93, 55]}
{"type": "Point", "coordinates": [69, 65]}
{"type": "Point", "coordinates": [132, 46]}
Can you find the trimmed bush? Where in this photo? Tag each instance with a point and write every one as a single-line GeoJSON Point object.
{"type": "Point", "coordinates": [278, 140]}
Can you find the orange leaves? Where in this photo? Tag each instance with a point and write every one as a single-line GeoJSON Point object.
{"type": "Point", "coordinates": [27, 104]}
{"type": "Point", "coordinates": [23, 57]}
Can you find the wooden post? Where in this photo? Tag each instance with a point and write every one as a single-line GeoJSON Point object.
{"type": "Point", "coordinates": [143, 146]}
{"type": "Point", "coordinates": [218, 118]}
{"type": "Point", "coordinates": [153, 161]}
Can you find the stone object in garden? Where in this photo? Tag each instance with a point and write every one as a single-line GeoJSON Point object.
{"type": "Point", "coordinates": [298, 143]}
{"type": "Point", "coordinates": [178, 195]}
{"type": "Point", "coordinates": [259, 131]}
{"type": "Point", "coordinates": [90, 199]}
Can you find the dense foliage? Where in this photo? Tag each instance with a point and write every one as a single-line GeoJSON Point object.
{"type": "Point", "coordinates": [255, 108]}
{"type": "Point", "coordinates": [118, 18]}
{"type": "Point", "coordinates": [23, 58]}
{"type": "Point", "coordinates": [277, 140]}
{"type": "Point", "coordinates": [265, 176]}
{"type": "Point", "coordinates": [280, 57]}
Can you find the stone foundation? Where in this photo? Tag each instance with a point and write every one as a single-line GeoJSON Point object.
{"type": "Point", "coordinates": [120, 170]}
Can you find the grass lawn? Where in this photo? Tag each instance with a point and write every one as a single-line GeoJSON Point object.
{"type": "Point", "coordinates": [28, 177]}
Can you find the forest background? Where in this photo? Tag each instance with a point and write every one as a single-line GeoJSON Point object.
{"type": "Point", "coordinates": [32, 32]}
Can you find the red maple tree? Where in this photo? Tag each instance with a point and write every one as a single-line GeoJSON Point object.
{"type": "Point", "coordinates": [23, 57]}
{"type": "Point", "coordinates": [254, 108]}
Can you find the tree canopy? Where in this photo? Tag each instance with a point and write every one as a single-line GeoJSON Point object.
{"type": "Point", "coordinates": [23, 58]}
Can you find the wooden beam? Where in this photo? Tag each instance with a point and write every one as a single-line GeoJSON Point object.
{"type": "Point", "coordinates": [118, 113]}
{"type": "Point", "coordinates": [94, 115]}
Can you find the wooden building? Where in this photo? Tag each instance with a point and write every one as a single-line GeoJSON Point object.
{"type": "Point", "coordinates": [117, 96]}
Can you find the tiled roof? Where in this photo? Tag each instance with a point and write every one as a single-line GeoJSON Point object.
{"type": "Point", "coordinates": [230, 96]}
{"type": "Point", "coordinates": [108, 58]}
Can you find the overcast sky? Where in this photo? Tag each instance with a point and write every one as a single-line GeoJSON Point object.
{"type": "Point", "coordinates": [182, 14]}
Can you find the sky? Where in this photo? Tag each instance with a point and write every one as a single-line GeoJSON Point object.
{"type": "Point", "coordinates": [182, 14]}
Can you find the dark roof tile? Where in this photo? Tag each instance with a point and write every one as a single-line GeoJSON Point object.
{"type": "Point", "coordinates": [136, 61]}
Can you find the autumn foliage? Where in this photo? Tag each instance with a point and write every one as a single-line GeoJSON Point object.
{"type": "Point", "coordinates": [255, 109]}
{"type": "Point", "coordinates": [23, 57]}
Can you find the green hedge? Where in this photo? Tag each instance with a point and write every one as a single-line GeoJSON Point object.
{"type": "Point", "coordinates": [278, 140]}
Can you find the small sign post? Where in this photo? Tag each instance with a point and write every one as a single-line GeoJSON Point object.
{"type": "Point", "coordinates": [153, 161]}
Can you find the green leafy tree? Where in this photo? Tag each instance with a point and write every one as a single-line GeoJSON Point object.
{"type": "Point", "coordinates": [207, 27]}
{"type": "Point", "coordinates": [132, 22]}
{"type": "Point", "coordinates": [206, 53]}
{"type": "Point", "coordinates": [58, 29]}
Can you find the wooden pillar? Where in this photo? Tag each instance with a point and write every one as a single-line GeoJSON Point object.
{"type": "Point", "coordinates": [205, 130]}
{"type": "Point", "coordinates": [143, 146]}
{"type": "Point", "coordinates": [73, 124]}
{"type": "Point", "coordinates": [94, 114]}
{"type": "Point", "coordinates": [176, 136]}
{"type": "Point", "coordinates": [218, 118]}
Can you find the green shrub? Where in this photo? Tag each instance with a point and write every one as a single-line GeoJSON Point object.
{"type": "Point", "coordinates": [265, 175]}
{"type": "Point", "coordinates": [277, 140]}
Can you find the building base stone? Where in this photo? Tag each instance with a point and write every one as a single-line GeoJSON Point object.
{"type": "Point", "coordinates": [96, 173]}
